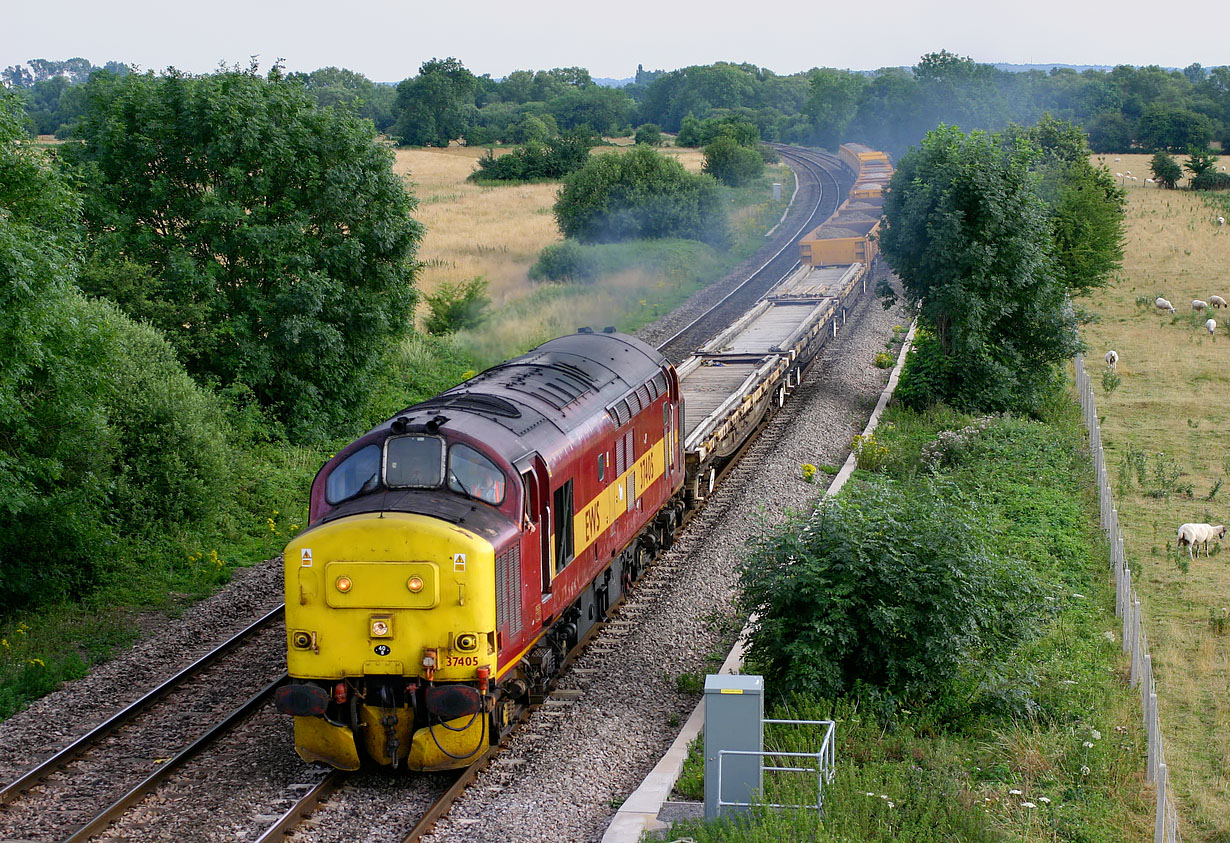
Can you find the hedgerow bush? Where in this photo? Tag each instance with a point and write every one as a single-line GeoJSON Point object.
{"type": "Point", "coordinates": [892, 589]}
{"type": "Point", "coordinates": [639, 194]}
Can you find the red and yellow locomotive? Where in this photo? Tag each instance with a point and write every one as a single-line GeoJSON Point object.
{"type": "Point", "coordinates": [456, 553]}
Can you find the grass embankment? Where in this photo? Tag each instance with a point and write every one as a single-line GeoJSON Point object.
{"type": "Point", "coordinates": [1047, 744]}
{"type": "Point", "coordinates": [1164, 431]}
{"type": "Point", "coordinates": [492, 231]}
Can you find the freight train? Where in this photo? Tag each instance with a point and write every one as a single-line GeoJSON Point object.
{"type": "Point", "coordinates": [457, 553]}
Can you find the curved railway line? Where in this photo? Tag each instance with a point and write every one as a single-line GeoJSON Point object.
{"type": "Point", "coordinates": [56, 800]}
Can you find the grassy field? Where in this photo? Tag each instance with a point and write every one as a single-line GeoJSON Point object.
{"type": "Point", "coordinates": [1165, 432]}
{"type": "Point", "coordinates": [497, 233]}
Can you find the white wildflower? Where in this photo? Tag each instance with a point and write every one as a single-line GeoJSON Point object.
{"type": "Point", "coordinates": [1014, 792]}
{"type": "Point", "coordinates": [1044, 800]}
{"type": "Point", "coordinates": [1028, 805]}
{"type": "Point", "coordinates": [1085, 770]}
{"type": "Point", "coordinates": [1087, 744]}
{"type": "Point", "coordinates": [1097, 736]}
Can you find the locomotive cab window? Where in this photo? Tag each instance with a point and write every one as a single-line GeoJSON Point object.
{"type": "Point", "coordinates": [414, 461]}
{"type": "Point", "coordinates": [471, 473]}
{"type": "Point", "coordinates": [358, 473]}
{"type": "Point", "coordinates": [563, 526]}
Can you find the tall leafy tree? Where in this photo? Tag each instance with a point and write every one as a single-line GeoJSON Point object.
{"type": "Point", "coordinates": [1166, 170]}
{"type": "Point", "coordinates": [437, 106]}
{"type": "Point", "coordinates": [103, 436]}
{"type": "Point", "coordinates": [1085, 206]}
{"type": "Point", "coordinates": [267, 238]}
{"type": "Point", "coordinates": [832, 104]}
{"type": "Point", "coordinates": [639, 193]}
{"type": "Point", "coordinates": [969, 237]}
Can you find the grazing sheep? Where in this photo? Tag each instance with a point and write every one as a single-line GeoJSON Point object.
{"type": "Point", "coordinates": [1221, 220]}
{"type": "Point", "coordinates": [1161, 304]}
{"type": "Point", "coordinates": [1211, 326]}
{"type": "Point", "coordinates": [1197, 304]}
{"type": "Point", "coordinates": [1112, 360]}
{"type": "Point", "coordinates": [1193, 535]}
{"type": "Point", "coordinates": [1217, 301]}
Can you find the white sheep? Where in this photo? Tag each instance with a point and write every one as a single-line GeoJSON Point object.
{"type": "Point", "coordinates": [1217, 301]}
{"type": "Point", "coordinates": [1211, 327]}
{"type": "Point", "coordinates": [1193, 535]}
{"type": "Point", "coordinates": [1161, 304]}
{"type": "Point", "coordinates": [1198, 305]}
{"type": "Point", "coordinates": [1112, 360]}
{"type": "Point", "coordinates": [1221, 220]}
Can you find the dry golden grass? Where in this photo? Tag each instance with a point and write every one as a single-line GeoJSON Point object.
{"type": "Point", "coordinates": [1172, 399]}
{"type": "Point", "coordinates": [497, 232]}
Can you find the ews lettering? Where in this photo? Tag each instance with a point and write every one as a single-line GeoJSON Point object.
{"type": "Point", "coordinates": [593, 521]}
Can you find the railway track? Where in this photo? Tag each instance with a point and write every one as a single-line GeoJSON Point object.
{"type": "Point", "coordinates": [821, 195]}
{"type": "Point", "coordinates": [37, 791]}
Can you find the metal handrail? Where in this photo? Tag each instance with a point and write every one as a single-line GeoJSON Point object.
{"type": "Point", "coordinates": [825, 767]}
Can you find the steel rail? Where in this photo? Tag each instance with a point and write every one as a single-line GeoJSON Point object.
{"type": "Point", "coordinates": [78, 747]}
{"type": "Point", "coordinates": [306, 804]}
{"type": "Point", "coordinates": [136, 794]}
{"type": "Point", "coordinates": [790, 241]}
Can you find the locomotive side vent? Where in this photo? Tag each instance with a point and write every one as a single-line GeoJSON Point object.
{"type": "Point", "coordinates": [508, 590]}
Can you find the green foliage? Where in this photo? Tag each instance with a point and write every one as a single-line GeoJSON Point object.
{"type": "Point", "coordinates": [1166, 170]}
{"type": "Point", "coordinates": [1199, 161]}
{"type": "Point", "coordinates": [731, 163]}
{"type": "Point", "coordinates": [334, 87]}
{"type": "Point", "coordinates": [1210, 180]}
{"type": "Point", "coordinates": [1169, 128]}
{"type": "Point", "coordinates": [436, 106]}
{"type": "Point", "coordinates": [104, 435]}
{"type": "Point", "coordinates": [892, 588]}
{"type": "Point", "coordinates": [639, 194]}
{"type": "Point", "coordinates": [267, 238]}
{"type": "Point", "coordinates": [971, 241]}
{"type": "Point", "coordinates": [549, 160]}
{"type": "Point", "coordinates": [832, 103]}
{"type": "Point", "coordinates": [456, 306]}
{"type": "Point", "coordinates": [1086, 207]}
{"type": "Point", "coordinates": [649, 134]}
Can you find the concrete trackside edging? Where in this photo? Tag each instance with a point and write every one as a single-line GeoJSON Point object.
{"type": "Point", "coordinates": [639, 812]}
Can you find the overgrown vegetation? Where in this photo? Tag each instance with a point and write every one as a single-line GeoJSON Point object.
{"type": "Point", "coordinates": [1014, 725]}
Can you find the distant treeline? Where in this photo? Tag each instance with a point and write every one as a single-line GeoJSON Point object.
{"type": "Point", "coordinates": [1125, 108]}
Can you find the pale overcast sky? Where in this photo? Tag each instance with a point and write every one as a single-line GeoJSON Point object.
{"type": "Point", "coordinates": [387, 41]}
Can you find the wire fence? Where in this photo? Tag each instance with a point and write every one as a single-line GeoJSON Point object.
{"type": "Point", "coordinates": [1127, 606]}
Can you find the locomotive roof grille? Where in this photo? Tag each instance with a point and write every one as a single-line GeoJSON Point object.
{"type": "Point", "coordinates": [478, 402]}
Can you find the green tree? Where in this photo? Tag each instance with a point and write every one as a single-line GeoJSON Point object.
{"type": "Point", "coordinates": [1086, 207]}
{"type": "Point", "coordinates": [970, 239]}
{"type": "Point", "coordinates": [456, 306]}
{"type": "Point", "coordinates": [437, 106]}
{"type": "Point", "coordinates": [732, 164]}
{"type": "Point", "coordinates": [267, 238]}
{"type": "Point", "coordinates": [832, 104]}
{"type": "Point", "coordinates": [1110, 132]}
{"type": "Point", "coordinates": [103, 436]}
{"type": "Point", "coordinates": [1199, 161]}
{"type": "Point", "coordinates": [1166, 170]}
{"type": "Point", "coordinates": [1166, 128]}
{"type": "Point", "coordinates": [639, 193]}
{"type": "Point", "coordinates": [649, 134]}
